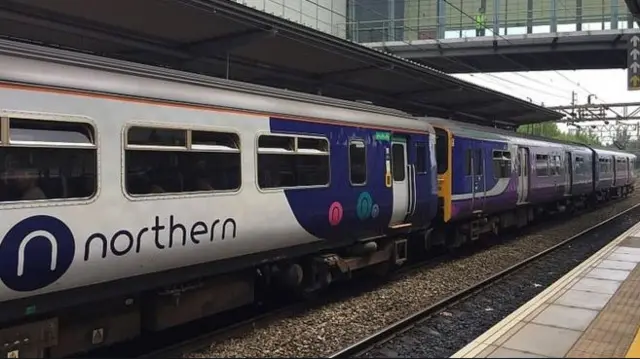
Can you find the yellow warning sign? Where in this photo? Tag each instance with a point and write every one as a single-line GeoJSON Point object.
{"type": "Point", "coordinates": [634, 82]}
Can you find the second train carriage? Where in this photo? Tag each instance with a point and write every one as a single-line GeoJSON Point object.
{"type": "Point", "coordinates": [490, 178]}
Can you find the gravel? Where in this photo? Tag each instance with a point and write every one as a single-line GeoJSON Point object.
{"type": "Point", "coordinates": [324, 330]}
{"type": "Point", "coordinates": [441, 335]}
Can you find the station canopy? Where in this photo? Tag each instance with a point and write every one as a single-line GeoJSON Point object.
{"type": "Point", "coordinates": [229, 40]}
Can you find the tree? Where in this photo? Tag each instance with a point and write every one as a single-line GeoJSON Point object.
{"type": "Point", "coordinates": [550, 130]}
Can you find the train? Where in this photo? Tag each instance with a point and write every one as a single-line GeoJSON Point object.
{"type": "Point", "coordinates": [137, 198]}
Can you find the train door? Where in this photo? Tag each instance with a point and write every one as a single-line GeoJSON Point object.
{"type": "Point", "coordinates": [523, 174]}
{"type": "Point", "coordinates": [400, 180]}
{"type": "Point", "coordinates": [568, 173]}
{"type": "Point", "coordinates": [628, 171]}
{"type": "Point", "coordinates": [478, 179]}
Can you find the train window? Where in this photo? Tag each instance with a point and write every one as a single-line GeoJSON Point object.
{"type": "Point", "coordinates": [555, 165]}
{"type": "Point", "coordinates": [151, 136]}
{"type": "Point", "coordinates": [501, 164]}
{"type": "Point", "coordinates": [542, 165]}
{"type": "Point", "coordinates": [312, 145]}
{"type": "Point", "coordinates": [467, 161]}
{"type": "Point", "coordinates": [398, 162]}
{"type": "Point", "coordinates": [47, 160]}
{"type": "Point", "coordinates": [25, 132]}
{"type": "Point", "coordinates": [157, 160]}
{"type": "Point", "coordinates": [214, 141]}
{"type": "Point", "coordinates": [478, 163]}
{"type": "Point", "coordinates": [277, 144]}
{"type": "Point", "coordinates": [357, 162]}
{"type": "Point", "coordinates": [442, 150]}
{"type": "Point", "coordinates": [289, 161]}
{"type": "Point", "coordinates": [578, 165]}
{"type": "Point", "coordinates": [421, 157]}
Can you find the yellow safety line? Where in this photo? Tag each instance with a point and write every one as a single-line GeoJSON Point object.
{"type": "Point", "coordinates": [634, 349]}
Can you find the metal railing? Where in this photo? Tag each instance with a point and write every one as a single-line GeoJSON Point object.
{"type": "Point", "coordinates": [452, 23]}
{"type": "Point", "coordinates": [458, 24]}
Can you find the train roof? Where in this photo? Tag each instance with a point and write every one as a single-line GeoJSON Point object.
{"type": "Point", "coordinates": [56, 68]}
{"type": "Point", "coordinates": [490, 133]}
{"type": "Point", "coordinates": [612, 151]}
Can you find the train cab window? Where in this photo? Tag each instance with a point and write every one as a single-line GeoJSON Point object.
{"type": "Point", "coordinates": [542, 165]}
{"type": "Point", "coordinates": [292, 161]}
{"type": "Point", "coordinates": [357, 162]}
{"type": "Point", "coordinates": [398, 162]}
{"type": "Point", "coordinates": [501, 164]}
{"type": "Point", "coordinates": [47, 160]}
{"type": "Point", "coordinates": [442, 150]}
{"type": "Point", "coordinates": [421, 157]}
{"type": "Point", "coordinates": [164, 161]}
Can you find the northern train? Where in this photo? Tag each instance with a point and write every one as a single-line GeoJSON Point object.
{"type": "Point", "coordinates": [136, 198]}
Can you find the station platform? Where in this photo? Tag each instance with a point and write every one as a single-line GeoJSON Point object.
{"type": "Point", "coordinates": [591, 312]}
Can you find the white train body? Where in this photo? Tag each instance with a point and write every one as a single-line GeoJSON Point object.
{"type": "Point", "coordinates": [114, 233]}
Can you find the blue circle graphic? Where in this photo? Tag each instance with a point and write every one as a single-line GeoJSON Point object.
{"type": "Point", "coordinates": [363, 209]}
{"type": "Point", "coordinates": [36, 252]}
{"type": "Point", "coordinates": [375, 210]}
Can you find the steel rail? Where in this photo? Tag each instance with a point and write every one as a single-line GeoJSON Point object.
{"type": "Point", "coordinates": [391, 331]}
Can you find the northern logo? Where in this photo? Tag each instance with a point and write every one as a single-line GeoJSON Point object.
{"type": "Point", "coordinates": [36, 252]}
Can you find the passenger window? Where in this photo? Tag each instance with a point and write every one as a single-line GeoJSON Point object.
{"type": "Point", "coordinates": [421, 157]}
{"type": "Point", "coordinates": [467, 161]}
{"type": "Point", "coordinates": [398, 162]}
{"type": "Point", "coordinates": [357, 162]}
{"type": "Point", "coordinates": [542, 165]}
{"type": "Point", "coordinates": [289, 161]}
{"type": "Point", "coordinates": [159, 160]}
{"type": "Point", "coordinates": [47, 160]}
{"type": "Point", "coordinates": [478, 165]}
{"type": "Point", "coordinates": [150, 136]}
{"type": "Point", "coordinates": [502, 164]}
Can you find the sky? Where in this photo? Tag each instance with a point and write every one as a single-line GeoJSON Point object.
{"type": "Point", "coordinates": [553, 88]}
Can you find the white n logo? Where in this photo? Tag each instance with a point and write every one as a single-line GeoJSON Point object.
{"type": "Point", "coordinates": [25, 241]}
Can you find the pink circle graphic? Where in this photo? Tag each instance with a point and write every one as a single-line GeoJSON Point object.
{"type": "Point", "coordinates": [335, 213]}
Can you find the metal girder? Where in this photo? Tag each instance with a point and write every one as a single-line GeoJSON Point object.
{"type": "Point", "coordinates": [427, 92]}
{"type": "Point", "coordinates": [222, 44]}
{"type": "Point", "coordinates": [346, 74]}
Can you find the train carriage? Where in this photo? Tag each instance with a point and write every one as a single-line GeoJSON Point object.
{"type": "Point", "coordinates": [124, 186]}
{"type": "Point", "coordinates": [614, 173]}
{"type": "Point", "coordinates": [491, 178]}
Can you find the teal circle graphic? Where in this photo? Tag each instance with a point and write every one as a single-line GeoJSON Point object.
{"type": "Point", "coordinates": [365, 203]}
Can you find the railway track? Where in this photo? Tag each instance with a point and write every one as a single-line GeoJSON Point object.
{"type": "Point", "coordinates": [364, 346]}
{"type": "Point", "coordinates": [207, 336]}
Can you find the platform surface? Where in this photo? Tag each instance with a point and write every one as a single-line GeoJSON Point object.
{"type": "Point", "coordinates": [591, 312]}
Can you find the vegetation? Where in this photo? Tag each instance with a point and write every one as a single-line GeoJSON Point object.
{"type": "Point", "coordinates": [550, 130]}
